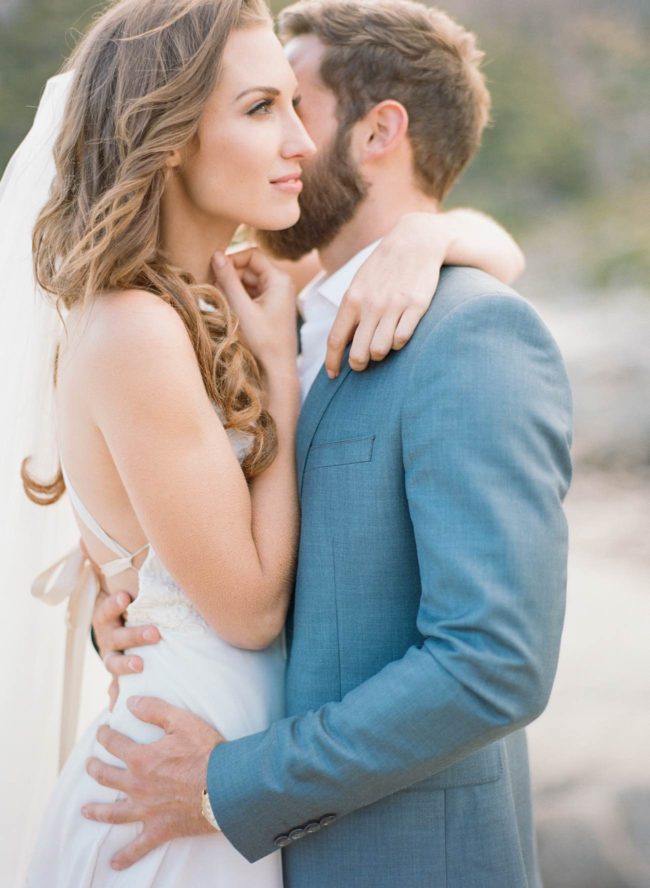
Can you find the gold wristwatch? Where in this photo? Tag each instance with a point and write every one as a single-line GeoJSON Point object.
{"type": "Point", "coordinates": [206, 810]}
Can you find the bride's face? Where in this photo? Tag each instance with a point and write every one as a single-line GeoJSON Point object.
{"type": "Point", "coordinates": [244, 164]}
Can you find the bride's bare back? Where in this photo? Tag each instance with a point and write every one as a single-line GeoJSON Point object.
{"type": "Point", "coordinates": [146, 452]}
{"type": "Point", "coordinates": [83, 450]}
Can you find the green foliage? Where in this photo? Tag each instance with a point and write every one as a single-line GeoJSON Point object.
{"type": "Point", "coordinates": [618, 234]}
{"type": "Point", "coordinates": [535, 152]}
{"type": "Point", "coordinates": [35, 40]}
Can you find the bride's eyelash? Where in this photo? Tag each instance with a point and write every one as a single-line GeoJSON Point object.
{"type": "Point", "coordinates": [261, 107]}
{"type": "Point", "coordinates": [264, 107]}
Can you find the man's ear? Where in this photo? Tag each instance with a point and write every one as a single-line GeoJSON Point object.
{"type": "Point", "coordinates": [385, 128]}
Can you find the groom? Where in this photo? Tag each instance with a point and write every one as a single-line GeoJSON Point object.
{"type": "Point", "coordinates": [430, 589]}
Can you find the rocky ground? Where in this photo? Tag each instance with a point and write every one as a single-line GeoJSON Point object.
{"type": "Point", "coordinates": [590, 750]}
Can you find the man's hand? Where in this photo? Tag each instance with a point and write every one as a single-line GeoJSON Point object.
{"type": "Point", "coordinates": [113, 638]}
{"type": "Point", "coordinates": [163, 780]}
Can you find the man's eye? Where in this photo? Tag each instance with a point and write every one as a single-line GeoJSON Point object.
{"type": "Point", "coordinates": [263, 107]}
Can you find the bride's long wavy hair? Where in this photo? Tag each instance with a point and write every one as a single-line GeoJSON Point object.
{"type": "Point", "coordinates": [142, 77]}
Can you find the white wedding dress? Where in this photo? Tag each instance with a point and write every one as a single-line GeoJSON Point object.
{"type": "Point", "coordinates": [238, 691]}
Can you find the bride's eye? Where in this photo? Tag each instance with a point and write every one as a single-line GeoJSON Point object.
{"type": "Point", "coordinates": [261, 108]}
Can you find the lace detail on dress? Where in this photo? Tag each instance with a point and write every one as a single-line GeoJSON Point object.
{"type": "Point", "coordinates": [161, 601]}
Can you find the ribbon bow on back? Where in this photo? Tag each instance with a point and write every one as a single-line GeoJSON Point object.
{"type": "Point", "coordinates": [72, 577]}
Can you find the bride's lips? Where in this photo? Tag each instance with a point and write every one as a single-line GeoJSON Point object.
{"type": "Point", "coordinates": [290, 184]}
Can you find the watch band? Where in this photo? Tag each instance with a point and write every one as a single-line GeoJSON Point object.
{"type": "Point", "coordinates": [206, 810]}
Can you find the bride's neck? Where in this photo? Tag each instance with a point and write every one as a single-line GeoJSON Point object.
{"type": "Point", "coordinates": [190, 238]}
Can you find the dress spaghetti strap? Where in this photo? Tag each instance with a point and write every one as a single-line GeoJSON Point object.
{"type": "Point", "coordinates": [125, 559]}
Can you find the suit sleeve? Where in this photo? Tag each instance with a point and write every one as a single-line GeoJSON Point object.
{"type": "Point", "coordinates": [486, 435]}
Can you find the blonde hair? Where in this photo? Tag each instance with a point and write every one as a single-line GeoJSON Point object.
{"type": "Point", "coordinates": [414, 54]}
{"type": "Point", "coordinates": [142, 76]}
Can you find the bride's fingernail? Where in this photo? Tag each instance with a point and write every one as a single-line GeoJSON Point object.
{"type": "Point", "coordinates": [149, 634]}
{"type": "Point", "coordinates": [219, 260]}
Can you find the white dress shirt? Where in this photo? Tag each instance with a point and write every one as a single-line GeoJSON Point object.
{"type": "Point", "coordinates": [318, 304]}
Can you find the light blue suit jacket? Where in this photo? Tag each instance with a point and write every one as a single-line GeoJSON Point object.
{"type": "Point", "coordinates": [427, 614]}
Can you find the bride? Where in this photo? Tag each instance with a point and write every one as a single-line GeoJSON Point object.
{"type": "Point", "coordinates": [175, 400]}
{"type": "Point", "coordinates": [175, 420]}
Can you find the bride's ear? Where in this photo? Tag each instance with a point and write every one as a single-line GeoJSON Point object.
{"type": "Point", "coordinates": [173, 161]}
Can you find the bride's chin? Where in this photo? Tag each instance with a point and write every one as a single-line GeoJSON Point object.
{"type": "Point", "coordinates": [281, 220]}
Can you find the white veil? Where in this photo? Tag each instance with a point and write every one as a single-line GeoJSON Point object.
{"type": "Point", "coordinates": [32, 637]}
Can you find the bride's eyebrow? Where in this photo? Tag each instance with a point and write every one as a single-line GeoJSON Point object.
{"type": "Point", "coordinates": [270, 90]}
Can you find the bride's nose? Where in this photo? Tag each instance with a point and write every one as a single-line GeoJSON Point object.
{"type": "Point", "coordinates": [297, 143]}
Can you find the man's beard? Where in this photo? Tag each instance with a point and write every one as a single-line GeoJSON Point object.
{"type": "Point", "coordinates": [333, 188]}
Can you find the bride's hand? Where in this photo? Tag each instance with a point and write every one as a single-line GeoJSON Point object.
{"type": "Point", "coordinates": [264, 300]}
{"type": "Point", "coordinates": [395, 286]}
{"type": "Point", "coordinates": [113, 638]}
{"type": "Point", "coordinates": [388, 296]}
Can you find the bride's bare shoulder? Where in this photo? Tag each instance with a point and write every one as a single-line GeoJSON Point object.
{"type": "Point", "coordinates": [127, 318]}
{"type": "Point", "coordinates": [125, 313]}
{"type": "Point", "coordinates": [131, 329]}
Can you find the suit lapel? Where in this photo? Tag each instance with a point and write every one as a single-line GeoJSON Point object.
{"type": "Point", "coordinates": [316, 403]}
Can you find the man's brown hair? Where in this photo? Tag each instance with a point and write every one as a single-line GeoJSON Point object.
{"type": "Point", "coordinates": [414, 54]}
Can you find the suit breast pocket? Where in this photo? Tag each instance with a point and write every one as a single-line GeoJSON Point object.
{"type": "Point", "coordinates": [340, 453]}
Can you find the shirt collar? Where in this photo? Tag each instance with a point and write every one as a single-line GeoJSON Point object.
{"type": "Point", "coordinates": [334, 287]}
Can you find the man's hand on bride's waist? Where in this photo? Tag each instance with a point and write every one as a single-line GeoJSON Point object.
{"type": "Point", "coordinates": [163, 780]}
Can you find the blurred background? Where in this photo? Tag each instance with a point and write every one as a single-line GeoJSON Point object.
{"type": "Point", "coordinates": [566, 166]}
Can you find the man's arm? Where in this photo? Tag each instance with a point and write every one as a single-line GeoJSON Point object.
{"type": "Point", "coordinates": [486, 432]}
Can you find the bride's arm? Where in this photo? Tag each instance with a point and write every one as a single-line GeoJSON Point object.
{"type": "Point", "coordinates": [478, 240]}
{"type": "Point", "coordinates": [395, 286]}
{"type": "Point", "coordinates": [229, 547]}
